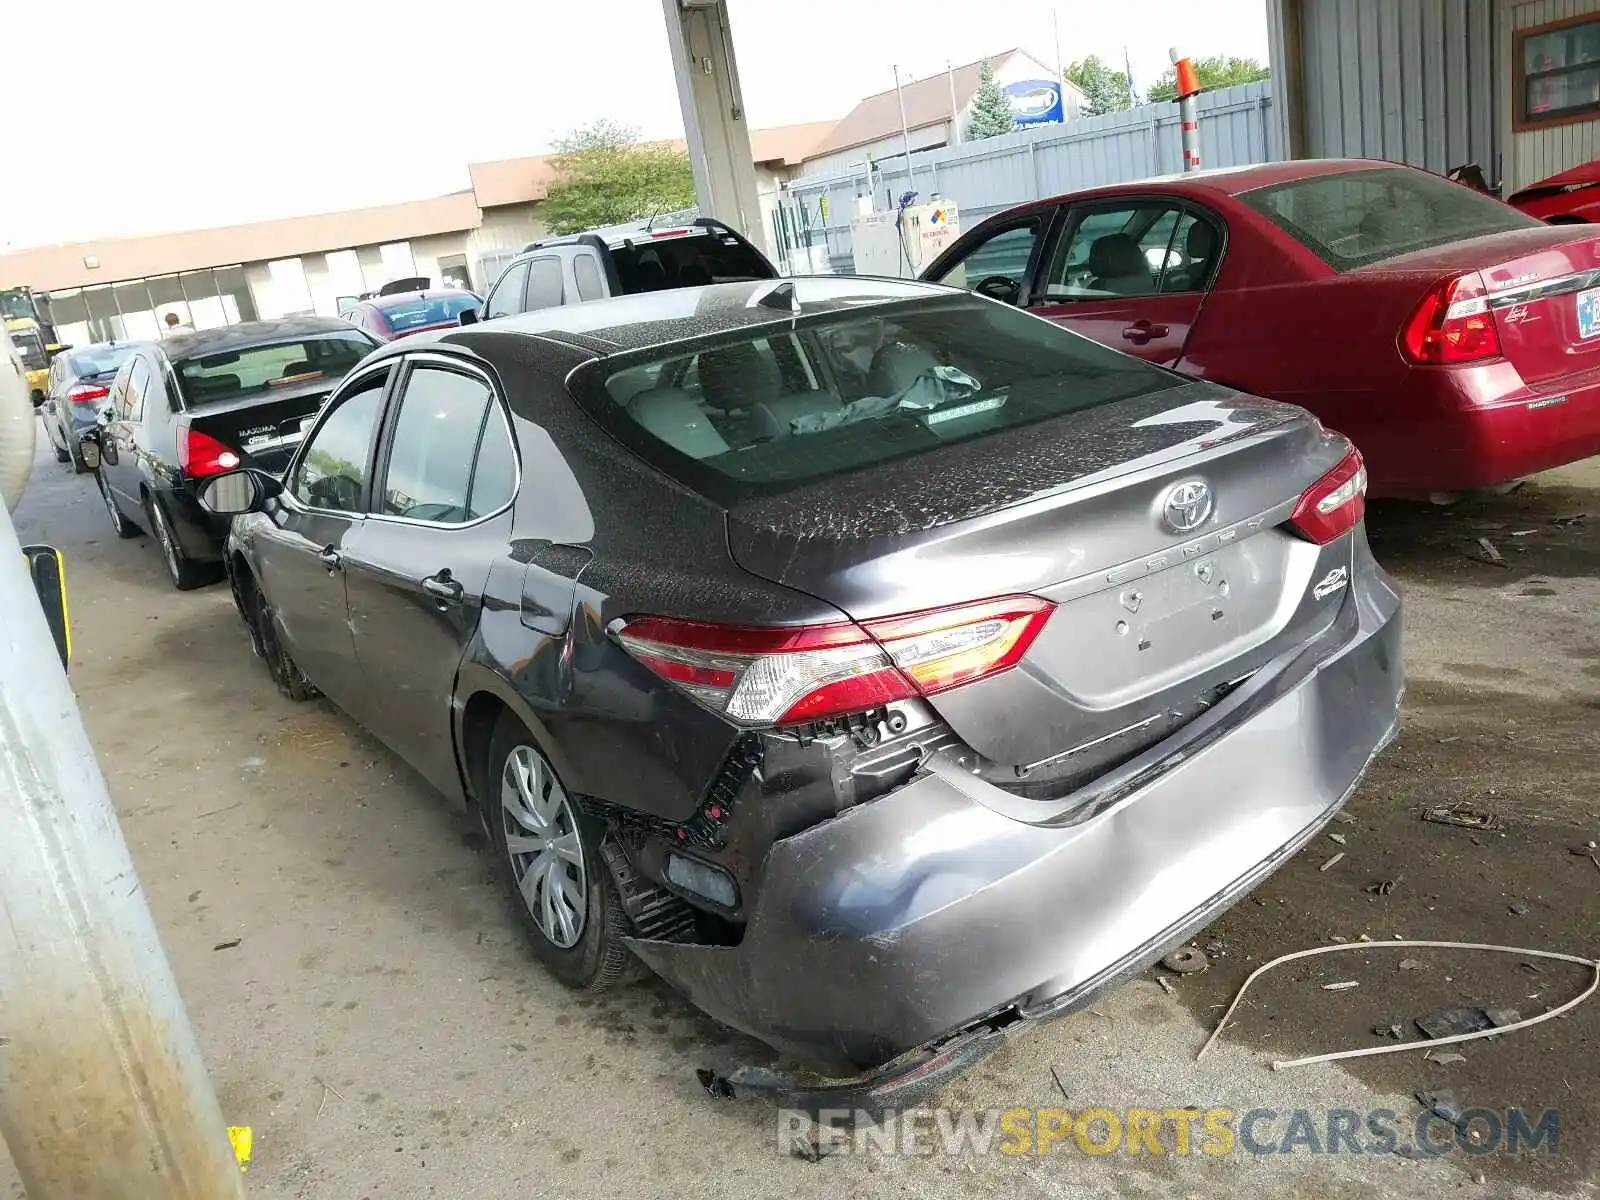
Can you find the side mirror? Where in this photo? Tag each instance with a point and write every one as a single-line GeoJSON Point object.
{"type": "Point", "coordinates": [237, 492]}
{"type": "Point", "coordinates": [50, 582]}
{"type": "Point", "coordinates": [998, 287]}
{"type": "Point", "coordinates": [467, 316]}
{"type": "Point", "coordinates": [89, 450]}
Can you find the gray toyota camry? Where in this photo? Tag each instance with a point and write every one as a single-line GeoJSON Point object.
{"type": "Point", "coordinates": [883, 666]}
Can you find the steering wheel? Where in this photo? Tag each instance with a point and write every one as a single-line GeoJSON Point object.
{"type": "Point", "coordinates": [999, 287]}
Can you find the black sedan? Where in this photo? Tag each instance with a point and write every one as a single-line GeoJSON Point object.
{"type": "Point", "coordinates": [199, 404]}
{"type": "Point", "coordinates": [883, 666]}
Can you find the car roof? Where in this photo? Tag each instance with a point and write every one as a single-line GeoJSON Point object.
{"type": "Point", "coordinates": [635, 321]}
{"type": "Point", "coordinates": [1233, 181]}
{"type": "Point", "coordinates": [396, 299]}
{"type": "Point", "coordinates": [248, 333]}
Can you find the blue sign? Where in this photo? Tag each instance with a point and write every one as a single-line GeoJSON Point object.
{"type": "Point", "coordinates": [1035, 101]}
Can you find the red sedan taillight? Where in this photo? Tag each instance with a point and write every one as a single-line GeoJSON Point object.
{"type": "Point", "coordinates": [786, 675]}
{"type": "Point", "coordinates": [200, 455]}
{"type": "Point", "coordinates": [1333, 504]}
{"type": "Point", "coordinates": [1452, 325]}
{"type": "Point", "coordinates": [87, 393]}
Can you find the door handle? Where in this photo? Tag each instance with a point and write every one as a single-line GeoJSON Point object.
{"type": "Point", "coordinates": [1141, 332]}
{"type": "Point", "coordinates": [443, 588]}
{"type": "Point", "coordinates": [330, 558]}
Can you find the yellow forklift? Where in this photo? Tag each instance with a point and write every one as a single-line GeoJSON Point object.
{"type": "Point", "coordinates": [34, 335]}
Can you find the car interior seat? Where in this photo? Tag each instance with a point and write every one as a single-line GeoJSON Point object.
{"type": "Point", "coordinates": [210, 387]}
{"type": "Point", "coordinates": [677, 419]}
{"type": "Point", "coordinates": [1199, 245]}
{"type": "Point", "coordinates": [1119, 266]}
{"type": "Point", "coordinates": [650, 276]}
{"type": "Point", "coordinates": [693, 274]}
{"type": "Point", "coordinates": [896, 366]}
{"type": "Point", "coordinates": [290, 370]}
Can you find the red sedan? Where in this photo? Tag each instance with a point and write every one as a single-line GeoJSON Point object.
{"type": "Point", "coordinates": [1570, 198]}
{"type": "Point", "coordinates": [1453, 338]}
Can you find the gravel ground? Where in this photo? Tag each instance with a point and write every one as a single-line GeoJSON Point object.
{"type": "Point", "coordinates": [382, 1028]}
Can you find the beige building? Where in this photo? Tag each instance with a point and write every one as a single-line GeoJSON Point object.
{"type": "Point", "coordinates": [124, 287]}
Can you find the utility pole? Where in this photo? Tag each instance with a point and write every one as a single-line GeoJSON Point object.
{"type": "Point", "coordinates": [103, 1095]}
{"type": "Point", "coordinates": [905, 134]}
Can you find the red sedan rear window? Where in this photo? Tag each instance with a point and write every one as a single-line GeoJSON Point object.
{"type": "Point", "coordinates": [1356, 218]}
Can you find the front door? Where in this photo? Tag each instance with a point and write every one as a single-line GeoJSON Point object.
{"type": "Point", "coordinates": [120, 458]}
{"type": "Point", "coordinates": [1131, 274]}
{"type": "Point", "coordinates": [301, 553]}
{"type": "Point", "coordinates": [439, 518]}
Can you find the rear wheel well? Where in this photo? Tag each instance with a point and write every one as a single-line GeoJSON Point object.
{"type": "Point", "coordinates": [478, 722]}
{"type": "Point", "coordinates": [1565, 219]}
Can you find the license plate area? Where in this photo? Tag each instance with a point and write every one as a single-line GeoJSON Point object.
{"type": "Point", "coordinates": [1588, 313]}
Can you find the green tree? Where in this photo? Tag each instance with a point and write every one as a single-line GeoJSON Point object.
{"type": "Point", "coordinates": [605, 175]}
{"type": "Point", "coordinates": [991, 112]}
{"type": "Point", "coordinates": [1105, 89]}
{"type": "Point", "coordinates": [1215, 71]}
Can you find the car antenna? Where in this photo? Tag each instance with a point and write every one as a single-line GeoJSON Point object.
{"type": "Point", "coordinates": [651, 223]}
{"type": "Point", "coordinates": [783, 297]}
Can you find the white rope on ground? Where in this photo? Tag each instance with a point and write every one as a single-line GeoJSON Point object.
{"type": "Point", "coordinates": [1427, 1043]}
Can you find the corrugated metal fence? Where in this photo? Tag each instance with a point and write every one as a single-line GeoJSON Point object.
{"type": "Point", "coordinates": [985, 177]}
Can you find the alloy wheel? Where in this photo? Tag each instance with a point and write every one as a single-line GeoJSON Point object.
{"type": "Point", "coordinates": [545, 846]}
{"type": "Point", "coordinates": [111, 505]}
{"type": "Point", "coordinates": [169, 548]}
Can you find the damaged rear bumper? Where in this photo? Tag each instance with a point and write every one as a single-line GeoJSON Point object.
{"type": "Point", "coordinates": [940, 906]}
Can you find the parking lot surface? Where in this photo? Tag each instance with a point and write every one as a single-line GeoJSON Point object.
{"type": "Point", "coordinates": [383, 1030]}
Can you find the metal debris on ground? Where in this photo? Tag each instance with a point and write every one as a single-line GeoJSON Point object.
{"type": "Point", "coordinates": [1445, 1104]}
{"type": "Point", "coordinates": [228, 945]}
{"type": "Point", "coordinates": [1522, 532]}
{"type": "Point", "coordinates": [1490, 555]}
{"type": "Point", "coordinates": [1185, 960]}
{"type": "Point", "coordinates": [1466, 818]}
{"type": "Point", "coordinates": [1418, 944]}
{"type": "Point", "coordinates": [1501, 1017]}
{"type": "Point", "coordinates": [1336, 837]}
{"type": "Point", "coordinates": [1411, 964]}
{"type": "Point", "coordinates": [1382, 887]}
{"type": "Point", "coordinates": [1574, 519]}
{"type": "Point", "coordinates": [1344, 818]}
{"type": "Point", "coordinates": [1517, 910]}
{"type": "Point", "coordinates": [1166, 985]}
{"type": "Point", "coordinates": [1216, 948]}
{"type": "Point", "coordinates": [1444, 1056]}
{"type": "Point", "coordinates": [1393, 1031]}
{"type": "Point", "coordinates": [809, 1150]}
{"type": "Point", "coordinates": [1450, 1022]}
{"type": "Point", "coordinates": [1331, 861]}
{"type": "Point", "coordinates": [1342, 986]}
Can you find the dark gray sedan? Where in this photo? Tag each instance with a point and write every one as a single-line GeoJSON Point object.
{"type": "Point", "coordinates": [883, 666]}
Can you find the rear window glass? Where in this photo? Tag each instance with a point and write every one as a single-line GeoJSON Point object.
{"type": "Point", "coordinates": [427, 310]}
{"type": "Point", "coordinates": [98, 360]}
{"type": "Point", "coordinates": [792, 404]}
{"type": "Point", "coordinates": [687, 261]}
{"type": "Point", "coordinates": [253, 370]}
{"type": "Point", "coordinates": [1358, 217]}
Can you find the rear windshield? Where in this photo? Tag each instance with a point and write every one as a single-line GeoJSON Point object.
{"type": "Point", "coordinates": [427, 310]}
{"type": "Point", "coordinates": [844, 391]}
{"type": "Point", "coordinates": [1359, 217]}
{"type": "Point", "coordinates": [687, 261]}
{"type": "Point", "coordinates": [253, 370]}
{"type": "Point", "coordinates": [98, 360]}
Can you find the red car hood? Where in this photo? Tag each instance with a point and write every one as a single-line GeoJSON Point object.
{"type": "Point", "coordinates": [1585, 173]}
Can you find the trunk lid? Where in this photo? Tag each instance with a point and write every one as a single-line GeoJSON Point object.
{"type": "Point", "coordinates": [1152, 620]}
{"type": "Point", "coordinates": [264, 428]}
{"type": "Point", "coordinates": [1544, 291]}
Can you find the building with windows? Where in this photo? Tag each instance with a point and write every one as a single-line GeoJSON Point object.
{"type": "Point", "coordinates": [1512, 85]}
{"type": "Point", "coordinates": [123, 288]}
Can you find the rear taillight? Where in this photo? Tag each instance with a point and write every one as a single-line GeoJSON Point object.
{"type": "Point", "coordinates": [1333, 504]}
{"type": "Point", "coordinates": [200, 454]}
{"type": "Point", "coordinates": [788, 675]}
{"type": "Point", "coordinates": [87, 393]}
{"type": "Point", "coordinates": [1452, 325]}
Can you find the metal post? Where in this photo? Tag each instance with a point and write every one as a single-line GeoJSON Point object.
{"type": "Point", "coordinates": [103, 1095]}
{"type": "Point", "coordinates": [1188, 110]}
{"type": "Point", "coordinates": [955, 112]}
{"type": "Point", "coordinates": [905, 134]}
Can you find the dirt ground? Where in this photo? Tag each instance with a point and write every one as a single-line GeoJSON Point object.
{"type": "Point", "coordinates": [381, 1027]}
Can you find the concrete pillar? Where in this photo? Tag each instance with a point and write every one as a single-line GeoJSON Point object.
{"type": "Point", "coordinates": [714, 121]}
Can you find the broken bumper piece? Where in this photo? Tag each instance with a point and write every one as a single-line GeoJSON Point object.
{"type": "Point", "coordinates": [939, 910]}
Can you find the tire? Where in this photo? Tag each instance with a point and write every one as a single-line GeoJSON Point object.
{"type": "Point", "coordinates": [577, 939]}
{"type": "Point", "coordinates": [186, 575]}
{"type": "Point", "coordinates": [124, 527]}
{"type": "Point", "coordinates": [63, 453]}
{"type": "Point", "coordinates": [264, 639]}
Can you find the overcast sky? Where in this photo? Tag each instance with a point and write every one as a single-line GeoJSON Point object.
{"type": "Point", "coordinates": [134, 116]}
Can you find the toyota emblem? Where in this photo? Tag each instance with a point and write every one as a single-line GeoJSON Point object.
{"type": "Point", "coordinates": [1187, 506]}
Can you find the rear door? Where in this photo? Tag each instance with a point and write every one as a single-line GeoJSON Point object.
{"type": "Point", "coordinates": [439, 515]}
{"type": "Point", "coordinates": [300, 555]}
{"type": "Point", "coordinates": [1132, 274]}
{"type": "Point", "coordinates": [121, 467]}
